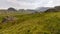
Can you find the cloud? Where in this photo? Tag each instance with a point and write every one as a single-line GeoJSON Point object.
{"type": "Point", "coordinates": [11, 0]}
{"type": "Point", "coordinates": [22, 3]}
{"type": "Point", "coordinates": [31, 4]}
{"type": "Point", "coordinates": [49, 4]}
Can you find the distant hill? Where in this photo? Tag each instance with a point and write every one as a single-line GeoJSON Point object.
{"type": "Point", "coordinates": [42, 8]}
{"type": "Point", "coordinates": [11, 9]}
{"type": "Point", "coordinates": [55, 9]}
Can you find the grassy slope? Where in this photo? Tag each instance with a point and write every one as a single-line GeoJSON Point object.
{"type": "Point", "coordinates": [46, 23]}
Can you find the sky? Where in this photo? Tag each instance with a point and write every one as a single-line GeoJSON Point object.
{"type": "Point", "coordinates": [28, 4]}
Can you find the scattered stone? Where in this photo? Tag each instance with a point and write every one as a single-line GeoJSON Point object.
{"type": "Point", "coordinates": [9, 19]}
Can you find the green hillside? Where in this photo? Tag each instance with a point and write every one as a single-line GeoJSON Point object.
{"type": "Point", "coordinates": [45, 23]}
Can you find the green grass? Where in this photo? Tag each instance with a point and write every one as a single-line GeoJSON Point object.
{"type": "Point", "coordinates": [45, 23]}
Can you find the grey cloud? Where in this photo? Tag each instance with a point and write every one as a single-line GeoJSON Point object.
{"type": "Point", "coordinates": [28, 3]}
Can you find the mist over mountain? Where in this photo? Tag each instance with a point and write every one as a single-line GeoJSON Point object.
{"type": "Point", "coordinates": [42, 8]}
{"type": "Point", "coordinates": [55, 9]}
{"type": "Point", "coordinates": [38, 9]}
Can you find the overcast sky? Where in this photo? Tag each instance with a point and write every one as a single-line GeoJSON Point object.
{"type": "Point", "coordinates": [28, 4]}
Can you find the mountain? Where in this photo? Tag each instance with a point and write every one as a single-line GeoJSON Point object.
{"type": "Point", "coordinates": [42, 8]}
{"type": "Point", "coordinates": [55, 9]}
